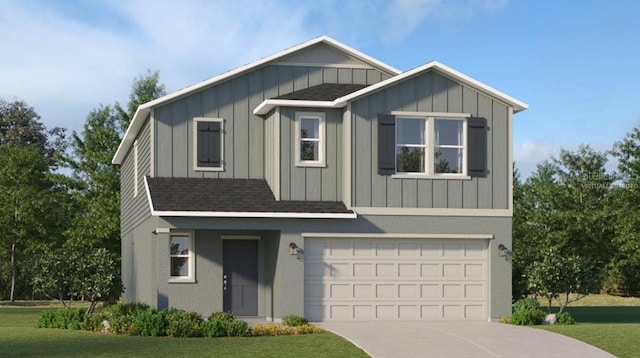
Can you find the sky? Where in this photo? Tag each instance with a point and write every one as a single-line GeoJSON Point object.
{"type": "Point", "coordinates": [576, 63]}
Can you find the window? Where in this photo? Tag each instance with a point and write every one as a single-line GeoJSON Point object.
{"type": "Point", "coordinates": [181, 253]}
{"type": "Point", "coordinates": [438, 145]}
{"type": "Point", "coordinates": [208, 144]}
{"type": "Point", "coordinates": [310, 145]}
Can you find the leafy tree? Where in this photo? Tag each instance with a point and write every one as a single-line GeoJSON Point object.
{"type": "Point", "coordinates": [98, 223]}
{"type": "Point", "coordinates": [623, 269]}
{"type": "Point", "coordinates": [24, 189]}
{"type": "Point", "coordinates": [561, 209]}
{"type": "Point", "coordinates": [558, 275]}
{"type": "Point", "coordinates": [53, 276]}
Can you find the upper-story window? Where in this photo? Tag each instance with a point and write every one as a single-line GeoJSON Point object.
{"type": "Point", "coordinates": [208, 144]}
{"type": "Point", "coordinates": [431, 145]}
{"type": "Point", "coordinates": [310, 139]}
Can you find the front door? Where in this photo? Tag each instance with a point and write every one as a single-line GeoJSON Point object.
{"type": "Point", "coordinates": [240, 280]}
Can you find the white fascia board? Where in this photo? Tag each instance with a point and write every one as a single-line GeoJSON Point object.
{"type": "Point", "coordinates": [271, 215]}
{"type": "Point", "coordinates": [268, 104]}
{"type": "Point", "coordinates": [447, 71]}
{"type": "Point", "coordinates": [325, 235]}
{"type": "Point", "coordinates": [144, 109]}
{"type": "Point", "coordinates": [384, 211]}
{"type": "Point", "coordinates": [146, 189]}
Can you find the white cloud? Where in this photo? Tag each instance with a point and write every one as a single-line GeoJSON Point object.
{"type": "Point", "coordinates": [530, 153]}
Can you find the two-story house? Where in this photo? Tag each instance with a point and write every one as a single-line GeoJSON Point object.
{"type": "Point", "coordinates": [322, 182]}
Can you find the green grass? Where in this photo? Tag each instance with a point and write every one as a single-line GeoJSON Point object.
{"type": "Point", "coordinates": [608, 322]}
{"type": "Point", "coordinates": [20, 338]}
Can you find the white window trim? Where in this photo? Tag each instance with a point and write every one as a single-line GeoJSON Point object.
{"type": "Point", "coordinates": [195, 144]}
{"type": "Point", "coordinates": [135, 168]}
{"type": "Point", "coordinates": [321, 162]}
{"type": "Point", "coordinates": [191, 278]}
{"type": "Point", "coordinates": [430, 119]}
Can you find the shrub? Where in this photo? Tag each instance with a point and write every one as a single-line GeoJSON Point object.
{"type": "Point", "coordinates": [237, 328]}
{"type": "Point", "coordinates": [215, 328]}
{"type": "Point", "coordinates": [150, 322]}
{"type": "Point", "coordinates": [565, 318]}
{"type": "Point", "coordinates": [93, 322]}
{"type": "Point", "coordinates": [526, 312]}
{"type": "Point", "coordinates": [62, 318]}
{"type": "Point", "coordinates": [294, 320]}
{"type": "Point", "coordinates": [274, 329]}
{"type": "Point", "coordinates": [184, 324]}
{"type": "Point", "coordinates": [224, 324]}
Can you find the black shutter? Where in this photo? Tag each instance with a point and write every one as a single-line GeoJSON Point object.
{"type": "Point", "coordinates": [477, 146]}
{"type": "Point", "coordinates": [209, 140]}
{"type": "Point", "coordinates": [386, 144]}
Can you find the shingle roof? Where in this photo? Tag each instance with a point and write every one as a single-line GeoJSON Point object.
{"type": "Point", "coordinates": [229, 195]}
{"type": "Point", "coordinates": [323, 92]}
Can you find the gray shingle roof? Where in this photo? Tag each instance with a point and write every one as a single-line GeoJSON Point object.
{"type": "Point", "coordinates": [229, 195]}
{"type": "Point", "coordinates": [323, 92]}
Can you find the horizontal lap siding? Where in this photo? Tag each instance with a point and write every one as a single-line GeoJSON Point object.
{"type": "Point", "coordinates": [245, 137]}
{"type": "Point", "coordinates": [135, 209]}
{"type": "Point", "coordinates": [429, 92]}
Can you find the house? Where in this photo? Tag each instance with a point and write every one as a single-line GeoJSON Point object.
{"type": "Point", "coordinates": [322, 182]}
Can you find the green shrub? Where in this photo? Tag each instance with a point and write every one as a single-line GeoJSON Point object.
{"type": "Point", "coordinates": [224, 324]}
{"type": "Point", "coordinates": [184, 324]}
{"type": "Point", "coordinates": [237, 328]}
{"type": "Point", "coordinates": [215, 328]}
{"type": "Point", "coordinates": [294, 320]}
{"type": "Point", "coordinates": [565, 318]}
{"type": "Point", "coordinates": [150, 322]}
{"type": "Point", "coordinates": [62, 318]}
{"type": "Point", "coordinates": [93, 322]}
{"type": "Point", "coordinates": [526, 312]}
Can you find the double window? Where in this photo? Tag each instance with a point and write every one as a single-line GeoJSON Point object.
{"type": "Point", "coordinates": [181, 256]}
{"type": "Point", "coordinates": [310, 139]}
{"type": "Point", "coordinates": [208, 144]}
{"type": "Point", "coordinates": [431, 145]}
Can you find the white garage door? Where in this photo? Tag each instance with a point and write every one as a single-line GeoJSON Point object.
{"type": "Point", "coordinates": [366, 279]}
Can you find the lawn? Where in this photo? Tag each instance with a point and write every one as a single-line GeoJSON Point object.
{"type": "Point", "coordinates": [607, 322]}
{"type": "Point", "coordinates": [19, 337]}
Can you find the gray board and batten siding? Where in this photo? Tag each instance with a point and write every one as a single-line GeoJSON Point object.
{"type": "Point", "coordinates": [244, 133]}
{"type": "Point", "coordinates": [429, 92]}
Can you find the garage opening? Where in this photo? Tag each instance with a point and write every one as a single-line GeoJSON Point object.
{"type": "Point", "coordinates": [396, 278]}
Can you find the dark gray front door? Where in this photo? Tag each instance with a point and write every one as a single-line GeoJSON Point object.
{"type": "Point", "coordinates": [240, 266]}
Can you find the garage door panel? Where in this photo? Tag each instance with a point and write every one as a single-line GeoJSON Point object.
{"type": "Point", "coordinates": [395, 279]}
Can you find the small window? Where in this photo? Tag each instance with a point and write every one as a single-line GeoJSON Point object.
{"type": "Point", "coordinates": [411, 144]}
{"type": "Point", "coordinates": [208, 144]}
{"type": "Point", "coordinates": [310, 141]}
{"type": "Point", "coordinates": [181, 252]}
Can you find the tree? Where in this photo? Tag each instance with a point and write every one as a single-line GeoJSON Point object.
{"type": "Point", "coordinates": [558, 275]}
{"type": "Point", "coordinates": [24, 189]}
{"type": "Point", "coordinates": [68, 273]}
{"type": "Point", "coordinates": [98, 223]}
{"type": "Point", "coordinates": [561, 209]}
{"type": "Point", "coordinates": [623, 269]}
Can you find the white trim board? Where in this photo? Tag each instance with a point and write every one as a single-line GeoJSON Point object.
{"type": "Point", "coordinates": [397, 236]}
{"type": "Point", "coordinates": [507, 213]}
{"type": "Point", "coordinates": [240, 214]}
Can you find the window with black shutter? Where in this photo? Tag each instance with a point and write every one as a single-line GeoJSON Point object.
{"type": "Point", "coordinates": [431, 145]}
{"type": "Point", "coordinates": [208, 143]}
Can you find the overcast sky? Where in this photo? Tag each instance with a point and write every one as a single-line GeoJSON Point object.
{"type": "Point", "coordinates": [576, 63]}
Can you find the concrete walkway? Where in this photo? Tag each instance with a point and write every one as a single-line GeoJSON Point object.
{"type": "Point", "coordinates": [395, 339]}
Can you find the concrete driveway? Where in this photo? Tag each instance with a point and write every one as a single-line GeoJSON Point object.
{"type": "Point", "coordinates": [459, 339]}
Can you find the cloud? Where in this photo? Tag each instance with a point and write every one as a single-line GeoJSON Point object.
{"type": "Point", "coordinates": [528, 154]}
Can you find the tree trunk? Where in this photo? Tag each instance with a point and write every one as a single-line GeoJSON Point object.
{"type": "Point", "coordinates": [14, 271]}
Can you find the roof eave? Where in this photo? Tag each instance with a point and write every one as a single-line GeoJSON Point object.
{"type": "Point", "coordinates": [269, 104]}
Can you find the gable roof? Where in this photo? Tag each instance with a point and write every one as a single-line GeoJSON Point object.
{"type": "Point", "coordinates": [143, 110]}
{"type": "Point", "coordinates": [268, 104]}
{"type": "Point", "coordinates": [207, 197]}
